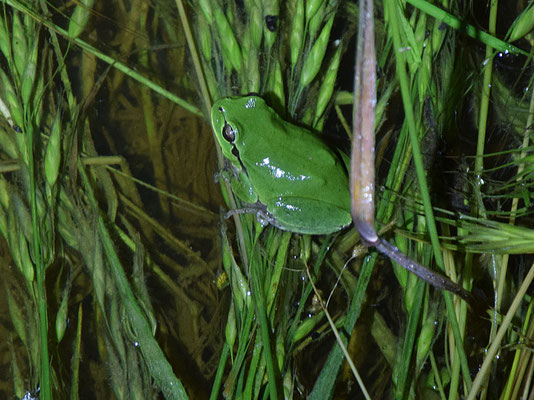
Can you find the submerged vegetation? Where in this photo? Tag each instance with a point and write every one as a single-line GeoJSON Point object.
{"type": "Point", "coordinates": [121, 276]}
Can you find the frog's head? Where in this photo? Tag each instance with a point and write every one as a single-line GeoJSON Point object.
{"type": "Point", "coordinates": [229, 118]}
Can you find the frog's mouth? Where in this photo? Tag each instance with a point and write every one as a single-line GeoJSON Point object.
{"type": "Point", "coordinates": [235, 153]}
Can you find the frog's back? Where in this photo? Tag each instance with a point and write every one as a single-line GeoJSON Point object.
{"type": "Point", "coordinates": [298, 164]}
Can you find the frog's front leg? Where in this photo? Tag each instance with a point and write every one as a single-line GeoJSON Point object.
{"type": "Point", "coordinates": [243, 190]}
{"type": "Point", "coordinates": [240, 183]}
{"type": "Point", "coordinates": [228, 172]}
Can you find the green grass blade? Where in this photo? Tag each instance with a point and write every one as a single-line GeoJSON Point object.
{"type": "Point", "coordinates": [160, 368]}
{"type": "Point", "coordinates": [421, 176]}
{"type": "Point", "coordinates": [324, 385]}
{"type": "Point", "coordinates": [468, 29]}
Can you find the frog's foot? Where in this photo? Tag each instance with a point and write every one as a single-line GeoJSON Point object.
{"type": "Point", "coordinates": [227, 172]}
{"type": "Point", "coordinates": [263, 216]}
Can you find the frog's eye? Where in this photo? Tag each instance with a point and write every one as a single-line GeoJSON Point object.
{"type": "Point", "coordinates": [228, 133]}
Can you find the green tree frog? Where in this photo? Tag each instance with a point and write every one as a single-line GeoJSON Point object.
{"type": "Point", "coordinates": [297, 181]}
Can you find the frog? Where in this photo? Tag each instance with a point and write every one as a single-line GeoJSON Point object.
{"type": "Point", "coordinates": [287, 172]}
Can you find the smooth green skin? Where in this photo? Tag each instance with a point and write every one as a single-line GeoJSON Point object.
{"type": "Point", "coordinates": [288, 169]}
